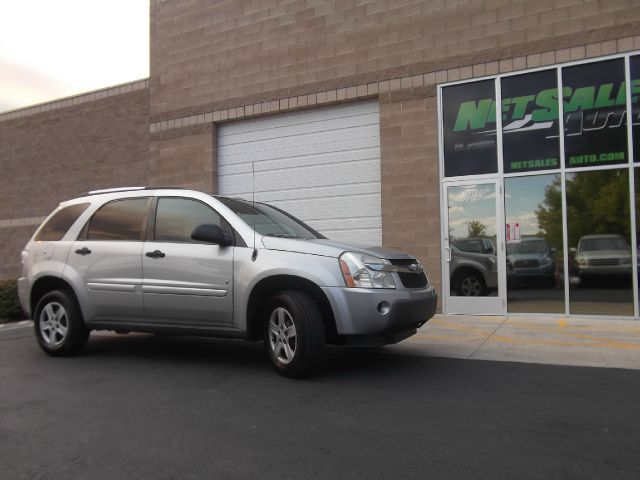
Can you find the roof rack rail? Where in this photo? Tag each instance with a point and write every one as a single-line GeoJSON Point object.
{"type": "Point", "coordinates": [129, 189]}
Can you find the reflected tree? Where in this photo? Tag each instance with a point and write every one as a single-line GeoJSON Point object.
{"type": "Point", "coordinates": [476, 228]}
{"type": "Point", "coordinates": [597, 203]}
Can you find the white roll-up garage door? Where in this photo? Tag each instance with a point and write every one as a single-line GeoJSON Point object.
{"type": "Point", "coordinates": [321, 165]}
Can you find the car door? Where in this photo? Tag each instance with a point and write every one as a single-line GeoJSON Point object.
{"type": "Point", "coordinates": [186, 282]}
{"type": "Point", "coordinates": [107, 257]}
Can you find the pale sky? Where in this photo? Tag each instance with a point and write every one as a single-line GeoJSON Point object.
{"type": "Point", "coordinates": [56, 48]}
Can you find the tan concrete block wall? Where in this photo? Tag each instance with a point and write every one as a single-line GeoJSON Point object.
{"type": "Point", "coordinates": [55, 155]}
{"type": "Point", "coordinates": [410, 180]}
{"type": "Point", "coordinates": [184, 161]}
{"type": "Point", "coordinates": [206, 55]}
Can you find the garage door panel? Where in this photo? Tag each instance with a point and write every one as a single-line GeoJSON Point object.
{"type": "Point", "coordinates": [302, 129]}
{"type": "Point", "coordinates": [365, 237]}
{"type": "Point", "coordinates": [295, 118]}
{"type": "Point", "coordinates": [343, 190]}
{"type": "Point", "coordinates": [326, 208]}
{"type": "Point", "coordinates": [301, 143]}
{"type": "Point", "coordinates": [291, 151]}
{"type": "Point", "coordinates": [364, 171]}
{"type": "Point", "coordinates": [303, 161]}
{"type": "Point", "coordinates": [321, 165]}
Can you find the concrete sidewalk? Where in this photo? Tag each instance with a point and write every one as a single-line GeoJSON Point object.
{"type": "Point", "coordinates": [559, 341]}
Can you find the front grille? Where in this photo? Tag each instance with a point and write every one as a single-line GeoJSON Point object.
{"type": "Point", "coordinates": [603, 262]}
{"type": "Point", "coordinates": [526, 264]}
{"type": "Point", "coordinates": [410, 280]}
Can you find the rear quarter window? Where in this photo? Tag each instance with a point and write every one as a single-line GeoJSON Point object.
{"type": "Point", "coordinates": [56, 227]}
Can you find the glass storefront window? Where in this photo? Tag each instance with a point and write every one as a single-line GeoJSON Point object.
{"type": "Point", "coordinates": [634, 71]}
{"type": "Point", "coordinates": [599, 230]}
{"type": "Point", "coordinates": [533, 209]}
{"type": "Point", "coordinates": [595, 131]}
{"type": "Point", "coordinates": [530, 133]}
{"type": "Point", "coordinates": [469, 123]}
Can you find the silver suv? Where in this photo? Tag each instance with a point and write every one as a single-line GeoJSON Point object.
{"type": "Point", "coordinates": [185, 262]}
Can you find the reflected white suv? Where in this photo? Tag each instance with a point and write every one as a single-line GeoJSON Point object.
{"type": "Point", "coordinates": [185, 262]}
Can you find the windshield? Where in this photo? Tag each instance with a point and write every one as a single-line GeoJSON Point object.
{"type": "Point", "coordinates": [269, 221]}
{"type": "Point", "coordinates": [603, 243]}
{"type": "Point", "coordinates": [527, 247]}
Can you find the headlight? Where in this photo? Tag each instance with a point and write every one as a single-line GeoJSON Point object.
{"type": "Point", "coordinates": [625, 261]}
{"type": "Point", "coordinates": [364, 271]}
{"type": "Point", "coordinates": [582, 261]}
{"type": "Point", "coordinates": [546, 261]}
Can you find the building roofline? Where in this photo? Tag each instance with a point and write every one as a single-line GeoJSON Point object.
{"type": "Point", "coordinates": [85, 97]}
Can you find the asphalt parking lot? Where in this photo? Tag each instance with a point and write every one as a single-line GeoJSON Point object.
{"type": "Point", "coordinates": [141, 406]}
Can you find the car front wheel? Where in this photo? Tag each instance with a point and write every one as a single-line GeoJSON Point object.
{"type": "Point", "coordinates": [294, 334]}
{"type": "Point", "coordinates": [58, 324]}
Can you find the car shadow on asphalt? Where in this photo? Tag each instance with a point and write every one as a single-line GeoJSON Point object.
{"type": "Point", "coordinates": [340, 362]}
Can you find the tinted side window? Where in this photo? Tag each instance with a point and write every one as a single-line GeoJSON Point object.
{"type": "Point", "coordinates": [119, 220]}
{"type": "Point", "coordinates": [58, 225]}
{"type": "Point", "coordinates": [176, 218]}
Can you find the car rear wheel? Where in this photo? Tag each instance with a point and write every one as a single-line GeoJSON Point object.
{"type": "Point", "coordinates": [470, 284]}
{"type": "Point", "coordinates": [58, 324]}
{"type": "Point", "coordinates": [294, 334]}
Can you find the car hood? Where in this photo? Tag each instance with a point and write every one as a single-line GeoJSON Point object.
{"type": "Point", "coordinates": [329, 248]}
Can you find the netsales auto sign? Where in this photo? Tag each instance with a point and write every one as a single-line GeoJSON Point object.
{"type": "Point", "coordinates": [594, 107]}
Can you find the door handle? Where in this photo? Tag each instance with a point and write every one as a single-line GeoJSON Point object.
{"type": "Point", "coordinates": [448, 257]}
{"type": "Point", "coordinates": [155, 254]}
{"type": "Point", "coordinates": [83, 251]}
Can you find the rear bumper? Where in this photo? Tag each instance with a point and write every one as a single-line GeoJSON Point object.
{"type": "Point", "coordinates": [23, 294]}
{"type": "Point", "coordinates": [384, 313]}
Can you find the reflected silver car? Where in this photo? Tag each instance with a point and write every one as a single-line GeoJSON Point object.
{"type": "Point", "coordinates": [600, 256]}
{"type": "Point", "coordinates": [185, 262]}
{"type": "Point", "coordinates": [472, 274]}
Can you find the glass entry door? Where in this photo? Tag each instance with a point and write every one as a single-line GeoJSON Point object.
{"type": "Point", "coordinates": [473, 248]}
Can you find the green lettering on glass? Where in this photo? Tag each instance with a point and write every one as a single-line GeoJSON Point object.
{"type": "Point", "coordinates": [473, 115]}
{"type": "Point", "coordinates": [548, 100]}
{"type": "Point", "coordinates": [521, 106]}
{"type": "Point", "coordinates": [582, 99]}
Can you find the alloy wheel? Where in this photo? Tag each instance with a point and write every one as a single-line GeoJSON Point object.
{"type": "Point", "coordinates": [53, 324]}
{"type": "Point", "coordinates": [282, 335]}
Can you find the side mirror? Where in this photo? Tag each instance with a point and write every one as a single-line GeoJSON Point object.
{"type": "Point", "coordinates": [553, 250]}
{"type": "Point", "coordinates": [210, 233]}
{"type": "Point", "coordinates": [573, 250]}
{"type": "Point", "coordinates": [490, 251]}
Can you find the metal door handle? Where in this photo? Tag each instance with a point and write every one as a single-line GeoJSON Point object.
{"type": "Point", "coordinates": [83, 251]}
{"type": "Point", "coordinates": [155, 254]}
{"type": "Point", "coordinates": [448, 257]}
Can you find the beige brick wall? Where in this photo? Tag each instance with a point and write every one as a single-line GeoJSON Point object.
{"type": "Point", "coordinates": [206, 55]}
{"type": "Point", "coordinates": [184, 161]}
{"type": "Point", "coordinates": [54, 155]}
{"type": "Point", "coordinates": [410, 180]}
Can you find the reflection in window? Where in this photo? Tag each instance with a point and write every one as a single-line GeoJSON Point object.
{"type": "Point", "coordinates": [599, 229]}
{"type": "Point", "coordinates": [119, 220]}
{"type": "Point", "coordinates": [472, 234]}
{"type": "Point", "coordinates": [595, 127]}
{"type": "Point", "coordinates": [176, 219]}
{"type": "Point", "coordinates": [58, 225]}
{"type": "Point", "coordinates": [533, 209]}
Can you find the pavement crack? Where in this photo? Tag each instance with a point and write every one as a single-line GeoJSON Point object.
{"type": "Point", "coordinates": [488, 337]}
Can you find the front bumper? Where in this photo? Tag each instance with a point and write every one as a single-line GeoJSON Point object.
{"type": "Point", "coordinates": [385, 313]}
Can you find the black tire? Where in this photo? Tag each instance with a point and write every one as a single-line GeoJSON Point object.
{"type": "Point", "coordinates": [48, 312]}
{"type": "Point", "coordinates": [470, 284]}
{"type": "Point", "coordinates": [307, 347]}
